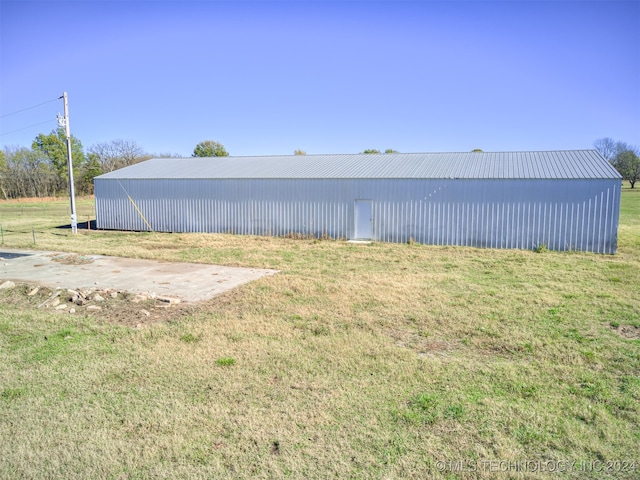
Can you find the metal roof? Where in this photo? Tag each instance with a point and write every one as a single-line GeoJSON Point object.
{"type": "Point", "coordinates": [566, 164]}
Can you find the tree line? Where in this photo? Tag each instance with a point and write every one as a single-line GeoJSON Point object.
{"type": "Point", "coordinates": [625, 158]}
{"type": "Point", "coordinates": [41, 171]}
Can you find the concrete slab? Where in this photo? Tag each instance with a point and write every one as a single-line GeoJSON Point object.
{"type": "Point", "coordinates": [190, 282]}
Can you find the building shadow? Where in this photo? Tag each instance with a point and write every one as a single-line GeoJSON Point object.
{"type": "Point", "coordinates": [10, 255]}
{"type": "Point", "coordinates": [90, 225]}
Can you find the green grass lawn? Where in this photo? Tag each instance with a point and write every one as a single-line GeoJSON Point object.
{"type": "Point", "coordinates": [356, 361]}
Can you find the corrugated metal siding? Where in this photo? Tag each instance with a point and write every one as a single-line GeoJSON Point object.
{"type": "Point", "coordinates": [563, 214]}
{"type": "Point", "coordinates": [513, 165]}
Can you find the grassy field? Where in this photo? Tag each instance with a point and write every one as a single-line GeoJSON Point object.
{"type": "Point", "coordinates": [356, 361]}
{"type": "Point", "coordinates": [23, 221]}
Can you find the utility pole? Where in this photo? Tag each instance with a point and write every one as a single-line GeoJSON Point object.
{"type": "Point", "coordinates": [64, 122]}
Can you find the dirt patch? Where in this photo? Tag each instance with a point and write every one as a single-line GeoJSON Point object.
{"type": "Point", "coordinates": [423, 345]}
{"type": "Point", "coordinates": [627, 331]}
{"type": "Point", "coordinates": [107, 306]}
{"type": "Point", "coordinates": [71, 259]}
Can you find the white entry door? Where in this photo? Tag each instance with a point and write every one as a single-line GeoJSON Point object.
{"type": "Point", "coordinates": [362, 230]}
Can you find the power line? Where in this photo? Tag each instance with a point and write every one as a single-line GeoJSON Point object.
{"type": "Point", "coordinates": [24, 128]}
{"type": "Point", "coordinates": [29, 108]}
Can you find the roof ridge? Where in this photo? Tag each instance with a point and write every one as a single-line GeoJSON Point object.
{"type": "Point", "coordinates": [385, 154]}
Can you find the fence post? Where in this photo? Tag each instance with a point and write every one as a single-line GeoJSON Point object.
{"type": "Point", "coordinates": [33, 234]}
{"type": "Point", "coordinates": [2, 234]}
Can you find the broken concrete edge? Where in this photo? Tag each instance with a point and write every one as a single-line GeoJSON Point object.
{"type": "Point", "coordinates": [7, 285]}
{"type": "Point", "coordinates": [169, 300]}
{"type": "Point", "coordinates": [81, 297]}
{"type": "Point", "coordinates": [53, 295]}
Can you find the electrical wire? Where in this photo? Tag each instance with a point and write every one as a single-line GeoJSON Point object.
{"type": "Point", "coordinates": [25, 128]}
{"type": "Point", "coordinates": [29, 108]}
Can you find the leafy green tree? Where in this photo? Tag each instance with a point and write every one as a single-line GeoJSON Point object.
{"type": "Point", "coordinates": [299, 153]}
{"type": "Point", "coordinates": [377, 152]}
{"type": "Point", "coordinates": [210, 148]}
{"type": "Point", "coordinates": [54, 147]}
{"type": "Point", "coordinates": [627, 162]}
{"type": "Point", "coordinates": [89, 170]}
{"type": "Point", "coordinates": [476, 150]}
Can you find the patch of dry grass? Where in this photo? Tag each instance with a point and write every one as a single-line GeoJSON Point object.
{"type": "Point", "coordinates": [362, 361]}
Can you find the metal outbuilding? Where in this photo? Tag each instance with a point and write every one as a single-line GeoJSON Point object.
{"type": "Point", "coordinates": [565, 200]}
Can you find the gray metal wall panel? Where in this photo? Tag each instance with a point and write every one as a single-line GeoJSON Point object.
{"type": "Point", "coordinates": [563, 214]}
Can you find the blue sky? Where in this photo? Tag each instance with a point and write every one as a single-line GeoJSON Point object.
{"type": "Point", "coordinates": [266, 78]}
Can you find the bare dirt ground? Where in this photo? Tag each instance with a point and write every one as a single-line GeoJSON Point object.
{"type": "Point", "coordinates": [118, 307]}
{"type": "Point", "coordinates": [123, 308]}
{"type": "Point", "coordinates": [628, 331]}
